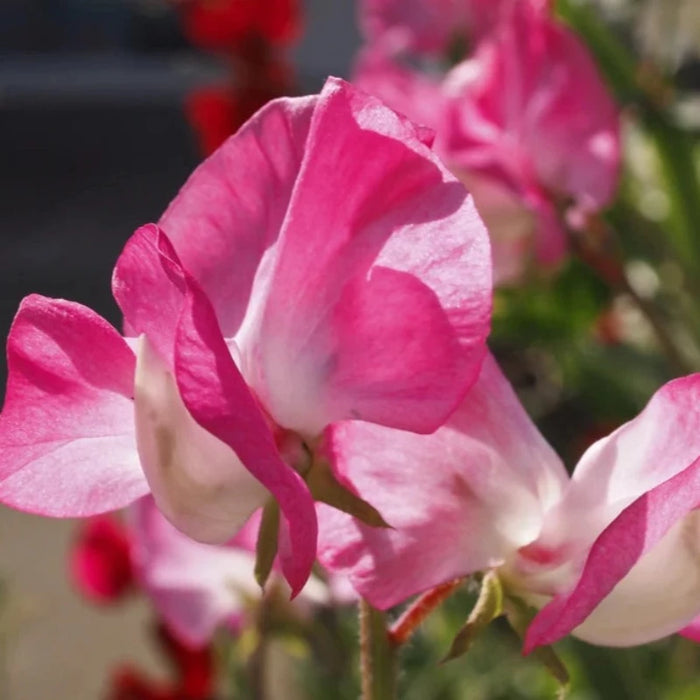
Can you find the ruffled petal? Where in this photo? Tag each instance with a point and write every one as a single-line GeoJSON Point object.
{"type": "Point", "coordinates": [381, 248]}
{"type": "Point", "coordinates": [67, 443]}
{"type": "Point", "coordinates": [458, 501]}
{"type": "Point", "coordinates": [231, 209]}
{"type": "Point", "coordinates": [661, 442]}
{"type": "Point", "coordinates": [641, 579]}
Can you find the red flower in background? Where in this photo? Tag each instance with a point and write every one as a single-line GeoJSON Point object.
{"type": "Point", "coordinates": [249, 33]}
{"type": "Point", "coordinates": [215, 112]}
{"type": "Point", "coordinates": [100, 560]}
{"type": "Point", "coordinates": [194, 668]}
{"type": "Point", "coordinates": [221, 24]}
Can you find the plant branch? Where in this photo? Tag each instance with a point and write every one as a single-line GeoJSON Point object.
{"type": "Point", "coordinates": [377, 656]}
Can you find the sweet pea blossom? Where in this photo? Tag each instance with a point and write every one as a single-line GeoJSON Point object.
{"type": "Point", "coordinates": [426, 26]}
{"type": "Point", "coordinates": [198, 588]}
{"type": "Point", "coordinates": [610, 555]}
{"type": "Point", "coordinates": [530, 120]}
{"type": "Point", "coordinates": [526, 123]}
{"type": "Point", "coordinates": [321, 266]}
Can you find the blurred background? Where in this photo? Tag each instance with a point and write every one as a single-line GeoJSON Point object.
{"type": "Point", "coordinates": [98, 130]}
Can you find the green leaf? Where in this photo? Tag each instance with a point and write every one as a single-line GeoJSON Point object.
{"type": "Point", "coordinates": [326, 488]}
{"type": "Point", "coordinates": [488, 607]}
{"type": "Point", "coordinates": [266, 547]}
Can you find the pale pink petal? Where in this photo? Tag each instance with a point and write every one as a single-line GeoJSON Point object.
{"type": "Point", "coordinates": [380, 242]}
{"type": "Point", "coordinates": [631, 537]}
{"type": "Point", "coordinates": [199, 483]}
{"type": "Point", "coordinates": [659, 594]}
{"type": "Point", "coordinates": [232, 207]}
{"type": "Point", "coordinates": [458, 501]}
{"type": "Point", "coordinates": [195, 587]}
{"type": "Point", "coordinates": [67, 444]}
{"type": "Point", "coordinates": [662, 441]}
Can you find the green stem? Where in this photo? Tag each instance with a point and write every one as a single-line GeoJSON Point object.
{"type": "Point", "coordinates": [377, 655]}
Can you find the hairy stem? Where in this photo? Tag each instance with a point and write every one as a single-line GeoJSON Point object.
{"type": "Point", "coordinates": [377, 656]}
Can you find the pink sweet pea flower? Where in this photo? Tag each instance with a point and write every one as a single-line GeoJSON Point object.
{"type": "Point", "coordinates": [322, 265]}
{"type": "Point", "coordinates": [526, 123]}
{"type": "Point", "coordinates": [610, 556]}
{"type": "Point", "coordinates": [529, 119]}
{"type": "Point", "coordinates": [426, 26]}
{"type": "Point", "coordinates": [198, 588]}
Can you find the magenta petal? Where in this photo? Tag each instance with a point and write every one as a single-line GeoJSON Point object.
{"type": "Point", "coordinates": [692, 631]}
{"type": "Point", "coordinates": [67, 445]}
{"type": "Point", "coordinates": [404, 89]}
{"type": "Point", "coordinates": [231, 209]}
{"type": "Point", "coordinates": [219, 400]}
{"type": "Point", "coordinates": [376, 225]}
{"type": "Point", "coordinates": [459, 500]}
{"type": "Point", "coordinates": [426, 25]}
{"type": "Point", "coordinates": [146, 295]}
{"type": "Point", "coordinates": [630, 536]}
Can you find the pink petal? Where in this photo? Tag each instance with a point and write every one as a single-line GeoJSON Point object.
{"type": "Point", "coordinates": [195, 587]}
{"type": "Point", "coordinates": [217, 397]}
{"type": "Point", "coordinates": [426, 25]}
{"type": "Point", "coordinates": [232, 207]}
{"type": "Point", "coordinates": [147, 297]}
{"type": "Point", "coordinates": [662, 441]}
{"type": "Point", "coordinates": [198, 481]}
{"type": "Point", "coordinates": [624, 543]}
{"type": "Point", "coordinates": [692, 631]}
{"type": "Point", "coordinates": [380, 245]}
{"type": "Point", "coordinates": [458, 501]}
{"type": "Point", "coordinates": [406, 90]}
{"type": "Point", "coordinates": [67, 445]}
{"type": "Point", "coordinates": [510, 115]}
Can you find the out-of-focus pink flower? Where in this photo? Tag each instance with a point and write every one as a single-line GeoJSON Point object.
{"type": "Point", "coordinates": [198, 588]}
{"type": "Point", "coordinates": [429, 26]}
{"type": "Point", "coordinates": [529, 118]}
{"type": "Point", "coordinates": [321, 266]}
{"type": "Point", "coordinates": [610, 556]}
{"type": "Point", "coordinates": [222, 24]}
{"type": "Point", "coordinates": [100, 560]}
{"type": "Point", "coordinates": [526, 123]}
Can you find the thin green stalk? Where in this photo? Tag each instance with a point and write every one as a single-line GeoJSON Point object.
{"type": "Point", "coordinates": [377, 656]}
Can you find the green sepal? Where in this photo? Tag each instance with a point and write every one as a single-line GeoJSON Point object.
{"type": "Point", "coordinates": [266, 546]}
{"type": "Point", "coordinates": [327, 489]}
{"type": "Point", "coordinates": [519, 616]}
{"type": "Point", "coordinates": [488, 607]}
